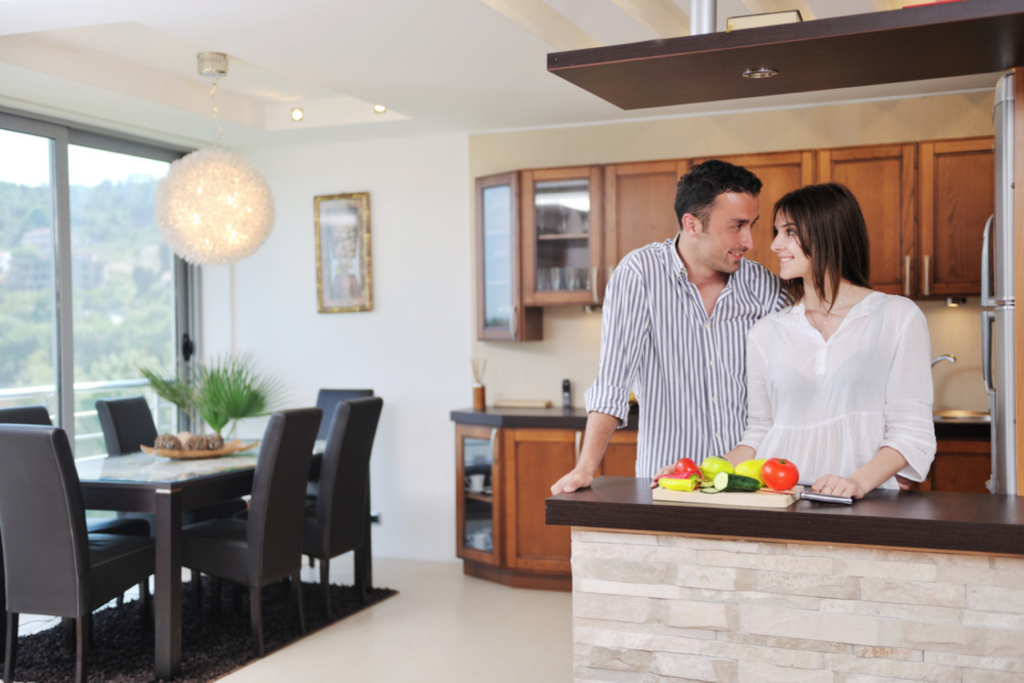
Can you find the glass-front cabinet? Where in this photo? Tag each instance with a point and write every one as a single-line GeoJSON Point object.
{"type": "Point", "coordinates": [477, 494]}
{"type": "Point", "coordinates": [501, 315]}
{"type": "Point", "coordinates": [562, 216]}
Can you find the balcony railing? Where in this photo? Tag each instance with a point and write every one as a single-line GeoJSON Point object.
{"type": "Point", "coordinates": [88, 434]}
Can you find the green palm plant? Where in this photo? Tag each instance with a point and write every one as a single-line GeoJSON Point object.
{"type": "Point", "coordinates": [229, 389]}
{"type": "Point", "coordinates": [225, 390]}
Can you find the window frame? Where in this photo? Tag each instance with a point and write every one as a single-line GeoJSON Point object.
{"type": "Point", "coordinates": [187, 281]}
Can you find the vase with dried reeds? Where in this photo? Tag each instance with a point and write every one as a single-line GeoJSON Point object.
{"type": "Point", "coordinates": [479, 393]}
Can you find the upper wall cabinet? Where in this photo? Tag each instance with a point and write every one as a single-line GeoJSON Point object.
{"type": "Point", "coordinates": [639, 206]}
{"type": "Point", "coordinates": [882, 179]}
{"type": "Point", "coordinates": [501, 315]}
{"type": "Point", "coordinates": [780, 173]}
{"type": "Point", "coordinates": [957, 191]}
{"type": "Point", "coordinates": [562, 213]}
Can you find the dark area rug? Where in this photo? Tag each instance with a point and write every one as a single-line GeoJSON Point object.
{"type": "Point", "coordinates": [122, 648]}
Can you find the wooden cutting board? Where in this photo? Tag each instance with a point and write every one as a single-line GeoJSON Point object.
{"type": "Point", "coordinates": [760, 499]}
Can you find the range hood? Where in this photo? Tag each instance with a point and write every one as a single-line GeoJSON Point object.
{"type": "Point", "coordinates": [918, 43]}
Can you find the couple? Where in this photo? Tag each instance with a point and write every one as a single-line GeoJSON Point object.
{"type": "Point", "coordinates": [725, 358]}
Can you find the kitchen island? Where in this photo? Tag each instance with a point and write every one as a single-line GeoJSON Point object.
{"type": "Point", "coordinates": [913, 586]}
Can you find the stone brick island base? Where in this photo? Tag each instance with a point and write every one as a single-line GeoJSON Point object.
{"type": "Point", "coordinates": [666, 607]}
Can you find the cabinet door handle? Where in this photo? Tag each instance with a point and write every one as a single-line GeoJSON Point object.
{"type": "Point", "coordinates": [494, 451]}
{"type": "Point", "coordinates": [579, 443]}
{"type": "Point", "coordinates": [514, 323]}
{"type": "Point", "coordinates": [926, 276]}
{"type": "Point", "coordinates": [906, 276]}
{"type": "Point", "coordinates": [593, 284]}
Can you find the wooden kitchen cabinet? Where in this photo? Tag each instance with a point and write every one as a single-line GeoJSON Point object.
{"type": "Point", "coordinates": [562, 216]}
{"type": "Point", "coordinates": [957, 191]}
{"type": "Point", "coordinates": [536, 460]}
{"type": "Point", "coordinates": [883, 180]}
{"type": "Point", "coordinates": [780, 173]}
{"type": "Point", "coordinates": [961, 465]}
{"type": "Point", "coordinates": [479, 523]}
{"type": "Point", "coordinates": [639, 206]}
{"type": "Point", "coordinates": [501, 533]}
{"type": "Point", "coordinates": [501, 314]}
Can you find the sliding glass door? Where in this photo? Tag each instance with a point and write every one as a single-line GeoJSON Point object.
{"type": "Point", "coordinates": [88, 289]}
{"type": "Point", "coordinates": [29, 326]}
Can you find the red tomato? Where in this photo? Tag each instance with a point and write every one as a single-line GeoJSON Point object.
{"type": "Point", "coordinates": [685, 467]}
{"type": "Point", "coordinates": [780, 475]}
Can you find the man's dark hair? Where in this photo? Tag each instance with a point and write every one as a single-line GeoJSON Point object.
{"type": "Point", "coordinates": [697, 190]}
{"type": "Point", "coordinates": [833, 235]}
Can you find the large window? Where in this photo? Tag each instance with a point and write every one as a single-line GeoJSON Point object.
{"type": "Point", "coordinates": [88, 289]}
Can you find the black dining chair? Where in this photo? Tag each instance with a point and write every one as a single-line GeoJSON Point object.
{"type": "Point", "coordinates": [266, 547]}
{"type": "Point", "coordinates": [129, 526]}
{"type": "Point", "coordinates": [127, 425]}
{"type": "Point", "coordinates": [53, 565]}
{"type": "Point", "coordinates": [327, 400]}
{"type": "Point", "coordinates": [338, 521]}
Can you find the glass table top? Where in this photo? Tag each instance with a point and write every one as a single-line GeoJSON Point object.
{"type": "Point", "coordinates": [140, 467]}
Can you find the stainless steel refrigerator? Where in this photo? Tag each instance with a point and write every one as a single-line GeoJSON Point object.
{"type": "Point", "coordinates": [997, 299]}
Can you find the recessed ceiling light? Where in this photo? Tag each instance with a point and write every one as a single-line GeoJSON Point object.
{"type": "Point", "coordinates": [296, 114]}
{"type": "Point", "coordinates": [761, 72]}
{"type": "Point", "coordinates": [379, 109]}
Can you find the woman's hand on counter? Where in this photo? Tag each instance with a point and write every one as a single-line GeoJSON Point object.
{"type": "Point", "coordinates": [835, 485]}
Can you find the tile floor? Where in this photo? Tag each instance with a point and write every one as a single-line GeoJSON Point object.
{"type": "Point", "coordinates": [442, 627]}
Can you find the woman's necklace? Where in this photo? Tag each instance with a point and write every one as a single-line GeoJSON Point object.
{"type": "Point", "coordinates": [826, 318]}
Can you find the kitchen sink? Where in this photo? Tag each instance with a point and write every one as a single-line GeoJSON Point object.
{"type": "Point", "coordinates": [962, 417]}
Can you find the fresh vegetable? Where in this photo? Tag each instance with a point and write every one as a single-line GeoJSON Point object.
{"type": "Point", "coordinates": [674, 483]}
{"type": "Point", "coordinates": [779, 474]}
{"type": "Point", "coordinates": [752, 468]}
{"type": "Point", "coordinates": [713, 465]}
{"type": "Point", "coordinates": [725, 483]}
{"type": "Point", "coordinates": [685, 467]}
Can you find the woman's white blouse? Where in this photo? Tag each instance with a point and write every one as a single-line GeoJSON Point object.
{"type": "Point", "coordinates": [831, 405]}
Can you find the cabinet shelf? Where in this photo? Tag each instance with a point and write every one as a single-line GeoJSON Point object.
{"type": "Point", "coordinates": [564, 236]}
{"type": "Point", "coordinates": [483, 498]}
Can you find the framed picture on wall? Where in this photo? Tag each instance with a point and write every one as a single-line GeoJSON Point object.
{"type": "Point", "coordinates": [343, 273]}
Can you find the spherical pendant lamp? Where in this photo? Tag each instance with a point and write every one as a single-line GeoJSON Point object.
{"type": "Point", "coordinates": [213, 207]}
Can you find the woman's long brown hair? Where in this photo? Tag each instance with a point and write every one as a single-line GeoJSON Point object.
{"type": "Point", "coordinates": [832, 234]}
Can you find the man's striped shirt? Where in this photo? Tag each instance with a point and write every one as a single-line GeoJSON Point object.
{"type": "Point", "coordinates": [686, 369]}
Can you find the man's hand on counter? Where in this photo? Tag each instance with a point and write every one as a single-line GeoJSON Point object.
{"type": "Point", "coordinates": [571, 482]}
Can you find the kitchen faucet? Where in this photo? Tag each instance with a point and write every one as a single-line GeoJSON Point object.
{"type": "Point", "coordinates": [939, 359]}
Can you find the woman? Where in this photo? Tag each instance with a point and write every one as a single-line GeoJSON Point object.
{"type": "Point", "coordinates": [840, 380]}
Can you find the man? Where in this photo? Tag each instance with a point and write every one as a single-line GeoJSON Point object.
{"type": "Point", "coordinates": [674, 328]}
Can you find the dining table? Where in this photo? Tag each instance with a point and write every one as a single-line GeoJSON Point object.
{"type": "Point", "coordinates": [166, 487]}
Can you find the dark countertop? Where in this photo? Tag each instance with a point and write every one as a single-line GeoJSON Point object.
{"type": "Point", "coordinates": [957, 522]}
{"type": "Point", "coordinates": [545, 418]}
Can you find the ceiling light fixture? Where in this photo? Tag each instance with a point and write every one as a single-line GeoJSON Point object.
{"type": "Point", "coordinates": [296, 114]}
{"type": "Point", "coordinates": [761, 72]}
{"type": "Point", "coordinates": [213, 206]}
{"type": "Point", "coordinates": [379, 109]}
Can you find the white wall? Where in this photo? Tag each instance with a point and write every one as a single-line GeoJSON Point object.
{"type": "Point", "coordinates": [413, 349]}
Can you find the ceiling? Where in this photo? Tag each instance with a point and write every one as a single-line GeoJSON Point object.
{"type": "Point", "coordinates": [439, 66]}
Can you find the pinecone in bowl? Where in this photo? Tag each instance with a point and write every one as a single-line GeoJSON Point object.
{"type": "Point", "coordinates": [168, 442]}
{"type": "Point", "coordinates": [214, 442]}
